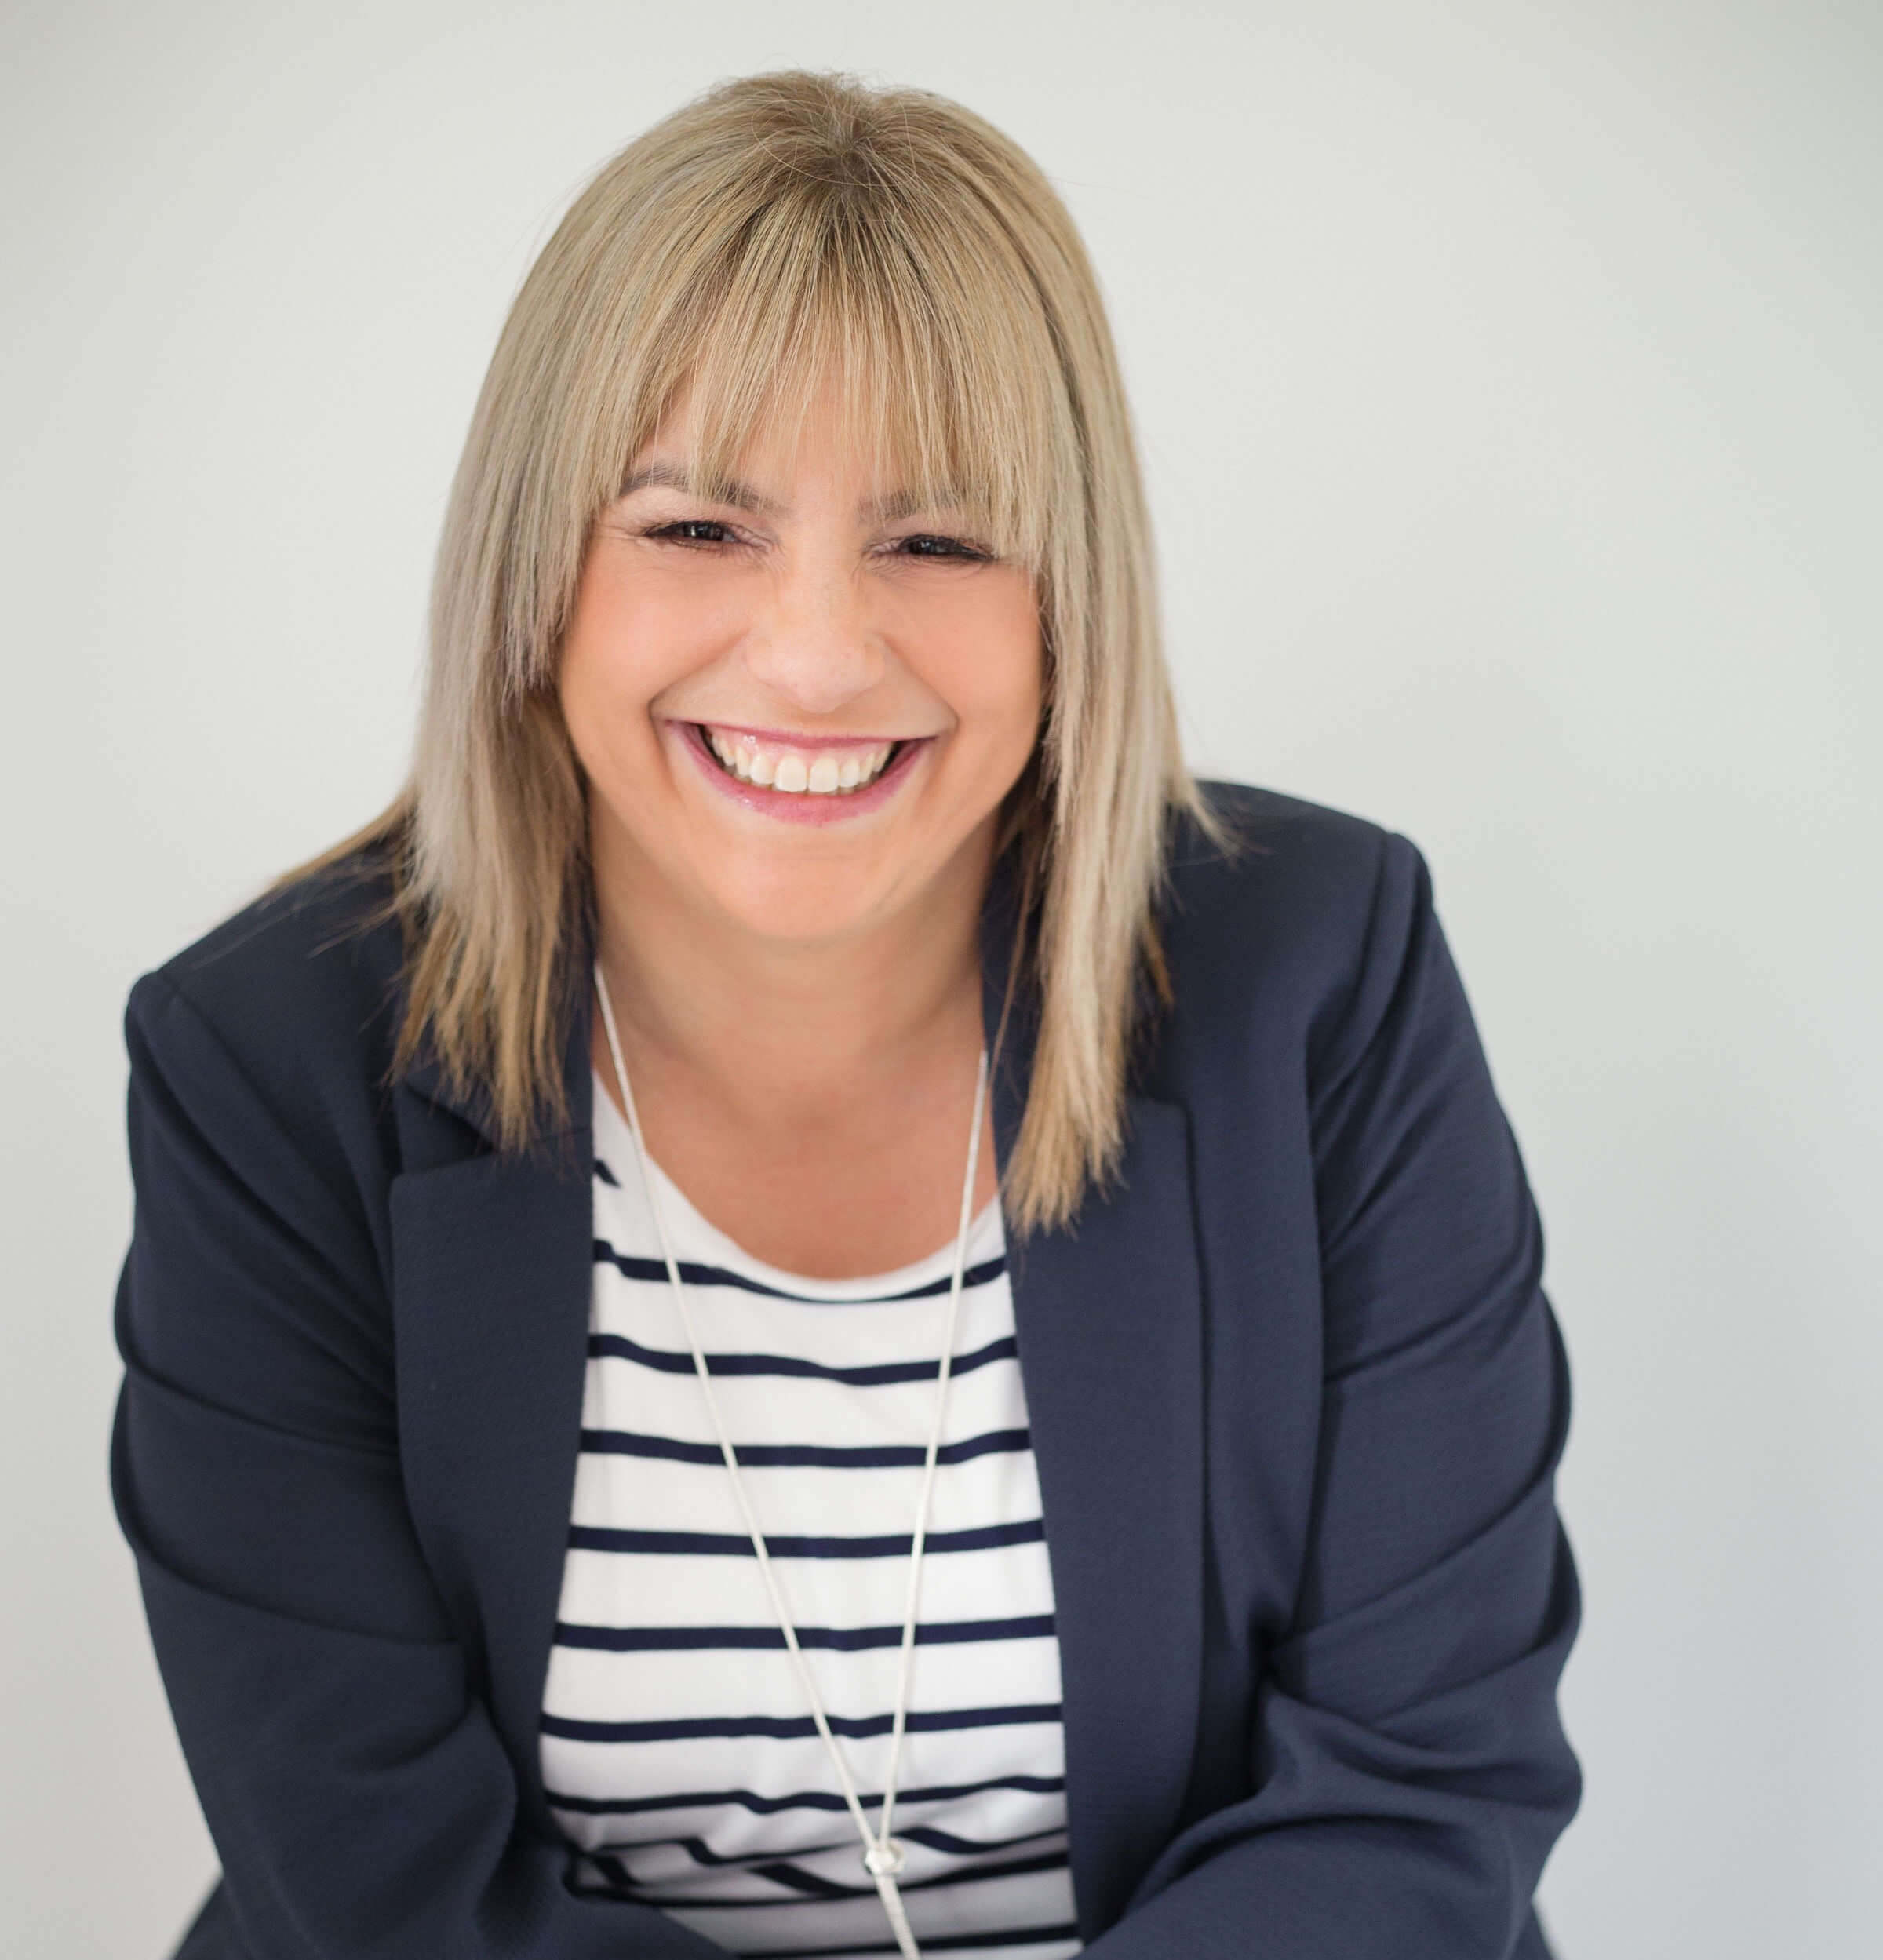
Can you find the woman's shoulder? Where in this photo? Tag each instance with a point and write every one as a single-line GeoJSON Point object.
{"type": "Point", "coordinates": [1296, 915]}
{"type": "Point", "coordinates": [1286, 874]}
{"type": "Point", "coordinates": [295, 996]}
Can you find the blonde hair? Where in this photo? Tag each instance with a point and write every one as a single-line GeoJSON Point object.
{"type": "Point", "coordinates": [780, 229]}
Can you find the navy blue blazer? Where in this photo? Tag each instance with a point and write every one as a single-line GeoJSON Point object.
{"type": "Point", "coordinates": [1297, 1400]}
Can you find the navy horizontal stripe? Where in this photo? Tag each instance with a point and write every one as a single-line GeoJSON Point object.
{"type": "Point", "coordinates": [812, 1886]}
{"type": "Point", "coordinates": [703, 1854]}
{"type": "Point", "coordinates": [985, 1537]}
{"type": "Point", "coordinates": [843, 1640]}
{"type": "Point", "coordinates": [607, 1175]}
{"type": "Point", "coordinates": [667, 1449]}
{"type": "Point", "coordinates": [950, 1943]}
{"type": "Point", "coordinates": [970, 1847]}
{"type": "Point", "coordinates": [797, 1800]}
{"type": "Point", "coordinates": [655, 1271]}
{"type": "Point", "coordinates": [879, 1375]}
{"type": "Point", "coordinates": [792, 1728]}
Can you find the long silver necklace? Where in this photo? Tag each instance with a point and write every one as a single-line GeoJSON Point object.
{"type": "Point", "coordinates": [884, 1857]}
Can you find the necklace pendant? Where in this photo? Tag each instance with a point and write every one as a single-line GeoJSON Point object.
{"type": "Point", "coordinates": [885, 1858]}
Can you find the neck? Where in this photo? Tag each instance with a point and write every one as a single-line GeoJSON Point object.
{"type": "Point", "coordinates": [769, 1023]}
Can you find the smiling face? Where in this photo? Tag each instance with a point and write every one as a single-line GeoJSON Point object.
{"type": "Point", "coordinates": [798, 698]}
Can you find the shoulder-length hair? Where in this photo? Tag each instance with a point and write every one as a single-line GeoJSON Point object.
{"type": "Point", "coordinates": [781, 228]}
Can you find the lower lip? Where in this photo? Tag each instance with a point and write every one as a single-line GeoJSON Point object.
{"type": "Point", "coordinates": [801, 806]}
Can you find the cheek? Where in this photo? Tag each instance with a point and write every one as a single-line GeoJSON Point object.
{"type": "Point", "coordinates": [627, 641]}
{"type": "Point", "coordinates": [976, 644]}
{"type": "Point", "coordinates": [1001, 666]}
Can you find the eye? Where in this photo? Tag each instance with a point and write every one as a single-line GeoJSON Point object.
{"type": "Point", "coordinates": [930, 545]}
{"type": "Point", "coordinates": [692, 530]}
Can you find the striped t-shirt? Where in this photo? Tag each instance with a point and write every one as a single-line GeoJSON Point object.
{"type": "Point", "coordinates": [676, 1744]}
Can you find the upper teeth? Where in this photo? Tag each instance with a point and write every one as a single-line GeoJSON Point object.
{"type": "Point", "coordinates": [817, 772]}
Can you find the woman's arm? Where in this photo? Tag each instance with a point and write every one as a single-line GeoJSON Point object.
{"type": "Point", "coordinates": [1409, 1768]}
{"type": "Point", "coordinates": [361, 1803]}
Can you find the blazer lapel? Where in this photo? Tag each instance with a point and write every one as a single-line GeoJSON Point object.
{"type": "Point", "coordinates": [1110, 1322]}
{"type": "Point", "coordinates": [492, 1258]}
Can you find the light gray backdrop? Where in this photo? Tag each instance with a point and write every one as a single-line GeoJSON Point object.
{"type": "Point", "coordinates": [1508, 378]}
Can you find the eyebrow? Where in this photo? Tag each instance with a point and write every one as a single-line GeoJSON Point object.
{"type": "Point", "coordinates": [725, 490]}
{"type": "Point", "coordinates": [882, 510]}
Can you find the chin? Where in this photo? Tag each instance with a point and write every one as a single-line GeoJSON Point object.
{"type": "Point", "coordinates": [802, 905]}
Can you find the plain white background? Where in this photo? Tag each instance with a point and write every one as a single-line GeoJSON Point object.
{"type": "Point", "coordinates": [1508, 383]}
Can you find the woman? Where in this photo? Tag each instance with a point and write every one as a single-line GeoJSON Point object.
{"type": "Point", "coordinates": [810, 1304]}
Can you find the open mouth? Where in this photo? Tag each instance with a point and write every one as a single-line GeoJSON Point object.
{"type": "Point", "coordinates": [806, 775]}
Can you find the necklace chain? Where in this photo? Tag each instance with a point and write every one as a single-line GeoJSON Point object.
{"type": "Point", "coordinates": [884, 1856]}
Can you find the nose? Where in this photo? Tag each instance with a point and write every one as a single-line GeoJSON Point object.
{"type": "Point", "coordinates": [814, 643]}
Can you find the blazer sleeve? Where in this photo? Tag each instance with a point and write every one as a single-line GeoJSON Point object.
{"type": "Point", "coordinates": [362, 1802]}
{"type": "Point", "coordinates": [1408, 1768]}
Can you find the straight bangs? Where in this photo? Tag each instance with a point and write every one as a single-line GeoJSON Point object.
{"type": "Point", "coordinates": [939, 368]}
{"type": "Point", "coordinates": [912, 317]}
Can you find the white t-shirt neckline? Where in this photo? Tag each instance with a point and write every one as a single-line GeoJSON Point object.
{"type": "Point", "coordinates": [697, 1238]}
